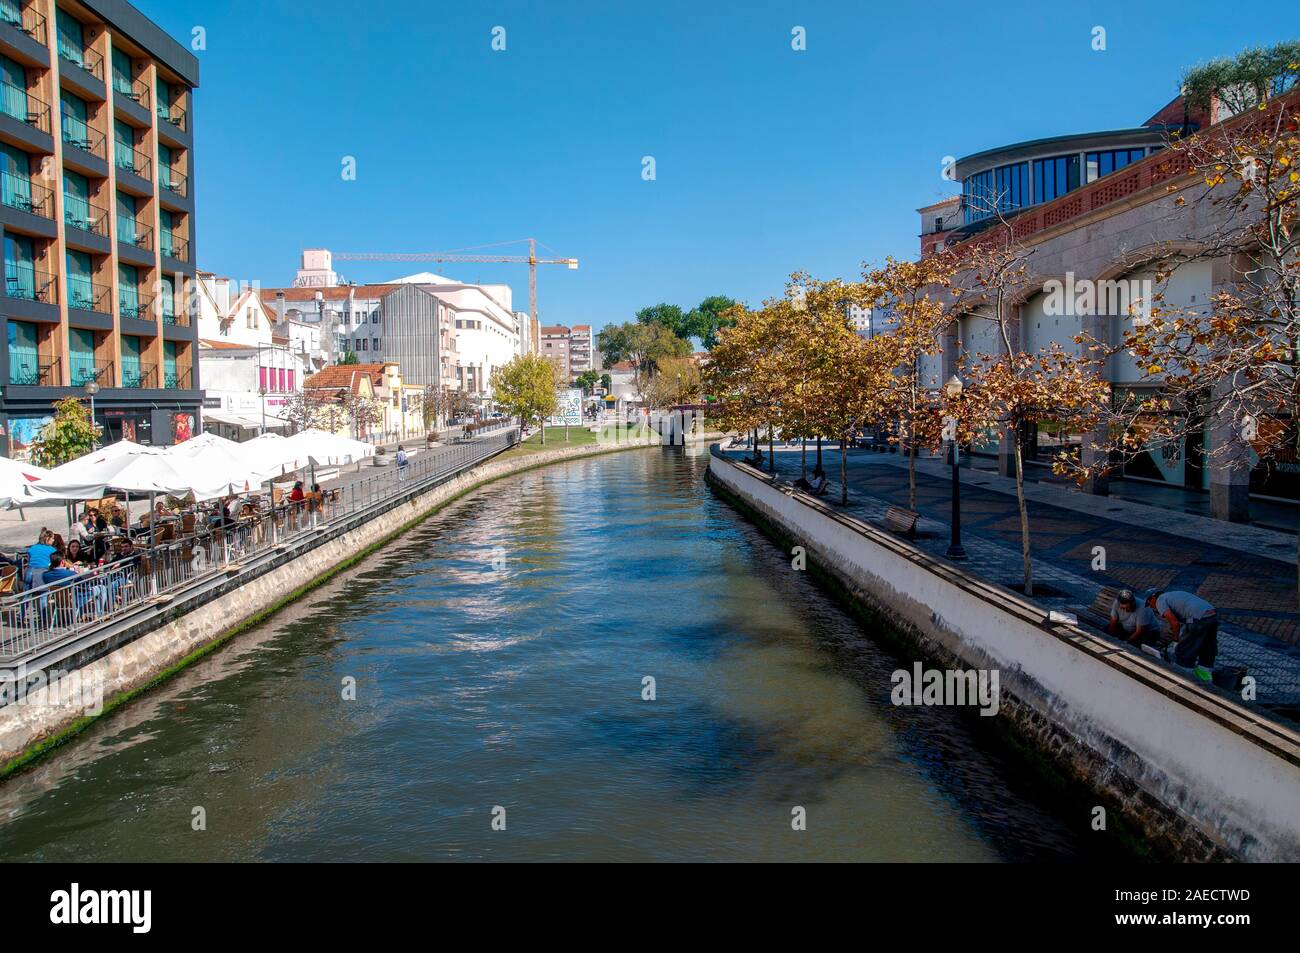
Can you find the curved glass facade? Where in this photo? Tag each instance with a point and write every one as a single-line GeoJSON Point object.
{"type": "Point", "coordinates": [1031, 181]}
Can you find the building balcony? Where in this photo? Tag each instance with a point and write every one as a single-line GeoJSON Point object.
{"type": "Point", "coordinates": [137, 91]}
{"type": "Point", "coordinates": [83, 368]}
{"type": "Point", "coordinates": [23, 30]}
{"type": "Point", "coordinates": [84, 216]}
{"type": "Point", "coordinates": [177, 378]}
{"type": "Point", "coordinates": [129, 159]}
{"type": "Point", "coordinates": [174, 318]}
{"type": "Point", "coordinates": [30, 370]}
{"type": "Point", "coordinates": [138, 374]}
{"type": "Point", "coordinates": [76, 133]}
{"type": "Point", "coordinates": [17, 103]}
{"type": "Point", "coordinates": [172, 181]}
{"type": "Point", "coordinates": [133, 233]}
{"type": "Point", "coordinates": [85, 295]}
{"type": "Point", "coordinates": [134, 306]}
{"type": "Point", "coordinates": [25, 195]}
{"type": "Point", "coordinates": [29, 284]}
{"type": "Point", "coordinates": [178, 249]}
{"type": "Point", "coordinates": [83, 59]}
{"type": "Point", "coordinates": [173, 116]}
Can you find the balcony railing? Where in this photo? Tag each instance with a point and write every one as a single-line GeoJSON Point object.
{"type": "Point", "coordinates": [83, 369]}
{"type": "Point", "coordinates": [88, 60]}
{"type": "Point", "coordinates": [24, 281]}
{"type": "Point", "coordinates": [82, 215]}
{"type": "Point", "coordinates": [26, 196]}
{"type": "Point", "coordinates": [177, 378]}
{"type": "Point", "coordinates": [86, 295]}
{"type": "Point", "coordinates": [173, 115]}
{"type": "Point", "coordinates": [130, 159]}
{"type": "Point", "coordinates": [139, 374]}
{"type": "Point", "coordinates": [132, 304]}
{"type": "Point", "coordinates": [175, 318]}
{"type": "Point", "coordinates": [19, 104]}
{"type": "Point", "coordinates": [171, 181]}
{"type": "Point", "coordinates": [131, 232]}
{"type": "Point", "coordinates": [23, 18]}
{"type": "Point", "coordinates": [30, 370]}
{"type": "Point", "coordinates": [77, 133]}
{"type": "Point", "coordinates": [174, 247]}
{"type": "Point", "coordinates": [134, 90]}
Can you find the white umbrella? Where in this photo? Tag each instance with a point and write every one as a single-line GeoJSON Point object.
{"type": "Point", "coordinates": [15, 480]}
{"type": "Point", "coordinates": [273, 454]}
{"type": "Point", "coordinates": [142, 473]}
{"type": "Point", "coordinates": [325, 449]}
{"type": "Point", "coordinates": [224, 458]}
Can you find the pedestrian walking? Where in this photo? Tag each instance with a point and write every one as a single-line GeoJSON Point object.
{"type": "Point", "coordinates": [401, 464]}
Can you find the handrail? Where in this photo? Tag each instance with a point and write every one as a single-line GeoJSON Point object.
{"type": "Point", "coordinates": [25, 195]}
{"type": "Point", "coordinates": [40, 617]}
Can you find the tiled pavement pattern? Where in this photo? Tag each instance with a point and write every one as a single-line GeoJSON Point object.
{"type": "Point", "coordinates": [1255, 594]}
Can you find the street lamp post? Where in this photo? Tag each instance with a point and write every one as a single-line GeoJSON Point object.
{"type": "Point", "coordinates": [92, 388]}
{"type": "Point", "coordinates": [955, 550]}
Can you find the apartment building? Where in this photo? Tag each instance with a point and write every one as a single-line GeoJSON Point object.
{"type": "Point", "coordinates": [97, 210]}
{"type": "Point", "coordinates": [582, 350]}
{"type": "Point", "coordinates": [555, 348]}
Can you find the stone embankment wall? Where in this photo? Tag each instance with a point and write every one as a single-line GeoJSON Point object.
{"type": "Point", "coordinates": [1199, 774]}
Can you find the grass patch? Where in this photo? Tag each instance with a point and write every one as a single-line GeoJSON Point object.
{"type": "Point", "coordinates": [612, 435]}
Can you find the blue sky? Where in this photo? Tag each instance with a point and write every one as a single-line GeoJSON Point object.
{"type": "Point", "coordinates": [767, 160]}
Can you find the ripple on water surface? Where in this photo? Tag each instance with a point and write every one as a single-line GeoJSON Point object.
{"type": "Point", "coordinates": [498, 652]}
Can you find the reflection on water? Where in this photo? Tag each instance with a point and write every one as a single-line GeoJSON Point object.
{"type": "Point", "coordinates": [498, 654]}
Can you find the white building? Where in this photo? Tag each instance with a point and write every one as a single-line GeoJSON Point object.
{"type": "Point", "coordinates": [248, 368]}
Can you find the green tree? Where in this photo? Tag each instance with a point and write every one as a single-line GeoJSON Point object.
{"type": "Point", "coordinates": [70, 434]}
{"type": "Point", "coordinates": [708, 318]}
{"type": "Point", "coordinates": [668, 315]}
{"type": "Point", "coordinates": [587, 380]}
{"type": "Point", "coordinates": [526, 388]}
{"type": "Point", "coordinates": [349, 357]}
{"type": "Point", "coordinates": [1243, 81]}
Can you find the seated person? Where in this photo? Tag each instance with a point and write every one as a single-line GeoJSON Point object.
{"type": "Point", "coordinates": [296, 495]}
{"type": "Point", "coordinates": [84, 530]}
{"type": "Point", "coordinates": [815, 485]}
{"type": "Point", "coordinates": [79, 555]}
{"type": "Point", "coordinates": [1194, 627]}
{"type": "Point", "coordinates": [1138, 624]}
{"type": "Point", "coordinates": [58, 571]}
{"type": "Point", "coordinates": [38, 558]}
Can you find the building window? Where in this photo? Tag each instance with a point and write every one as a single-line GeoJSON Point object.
{"type": "Point", "coordinates": [1104, 163]}
{"type": "Point", "coordinates": [361, 344]}
{"type": "Point", "coordinates": [374, 344]}
{"type": "Point", "coordinates": [1054, 177]}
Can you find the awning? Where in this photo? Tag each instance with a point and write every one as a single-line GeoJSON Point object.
{"type": "Point", "coordinates": [243, 421]}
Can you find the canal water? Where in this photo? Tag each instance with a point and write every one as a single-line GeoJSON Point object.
{"type": "Point", "coordinates": [500, 653]}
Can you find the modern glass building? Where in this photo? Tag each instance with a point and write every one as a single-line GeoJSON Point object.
{"type": "Point", "coordinates": [97, 215]}
{"type": "Point", "coordinates": [1015, 177]}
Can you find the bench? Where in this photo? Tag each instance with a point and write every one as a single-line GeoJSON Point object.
{"type": "Point", "coordinates": [901, 521]}
{"type": "Point", "coordinates": [1098, 613]}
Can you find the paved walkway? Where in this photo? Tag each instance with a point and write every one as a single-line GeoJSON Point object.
{"type": "Point", "coordinates": [1247, 572]}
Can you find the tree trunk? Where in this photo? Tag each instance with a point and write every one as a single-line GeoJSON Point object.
{"type": "Point", "coordinates": [1024, 519]}
{"type": "Point", "coordinates": [819, 452]}
{"type": "Point", "coordinates": [771, 451]}
{"type": "Point", "coordinates": [803, 457]}
{"type": "Point", "coordinates": [844, 474]}
{"type": "Point", "coordinates": [542, 421]}
{"type": "Point", "coordinates": [911, 475]}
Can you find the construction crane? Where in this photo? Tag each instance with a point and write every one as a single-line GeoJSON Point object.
{"type": "Point", "coordinates": [530, 259]}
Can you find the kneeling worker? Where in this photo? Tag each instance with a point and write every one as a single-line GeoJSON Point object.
{"type": "Point", "coordinates": [1138, 624]}
{"type": "Point", "coordinates": [1194, 626]}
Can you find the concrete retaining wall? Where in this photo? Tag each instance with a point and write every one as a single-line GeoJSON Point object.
{"type": "Point", "coordinates": [1202, 777]}
{"type": "Point", "coordinates": [141, 652]}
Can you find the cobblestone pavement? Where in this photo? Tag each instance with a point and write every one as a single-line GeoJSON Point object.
{"type": "Point", "coordinates": [1255, 594]}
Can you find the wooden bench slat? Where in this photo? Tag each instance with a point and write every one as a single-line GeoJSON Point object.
{"type": "Point", "coordinates": [900, 520]}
